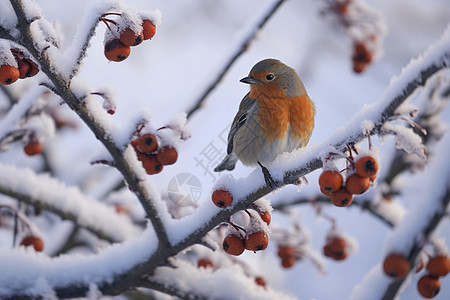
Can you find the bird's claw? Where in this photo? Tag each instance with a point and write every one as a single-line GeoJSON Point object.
{"type": "Point", "coordinates": [271, 183]}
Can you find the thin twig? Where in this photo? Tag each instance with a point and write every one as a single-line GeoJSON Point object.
{"type": "Point", "coordinates": [234, 55]}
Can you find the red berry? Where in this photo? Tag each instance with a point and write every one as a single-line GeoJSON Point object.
{"type": "Point", "coordinates": [146, 143]}
{"type": "Point", "coordinates": [167, 155]}
{"type": "Point", "coordinates": [438, 266]}
{"type": "Point", "coordinates": [34, 241]}
{"type": "Point", "coordinates": [256, 241]}
{"type": "Point", "coordinates": [266, 217]}
{"type": "Point", "coordinates": [356, 184]}
{"type": "Point", "coordinates": [151, 164]}
{"type": "Point", "coordinates": [233, 244]}
{"type": "Point", "coordinates": [33, 148]}
{"type": "Point", "coordinates": [204, 263]}
{"type": "Point", "coordinates": [429, 286]}
{"type": "Point", "coordinates": [129, 38]}
{"type": "Point", "coordinates": [341, 197]}
{"type": "Point", "coordinates": [8, 74]}
{"type": "Point", "coordinates": [149, 29]}
{"type": "Point", "coordinates": [260, 281]}
{"type": "Point", "coordinates": [366, 166]}
{"type": "Point", "coordinates": [330, 181]}
{"type": "Point", "coordinates": [222, 198]}
{"type": "Point", "coordinates": [115, 50]}
{"type": "Point", "coordinates": [396, 266]}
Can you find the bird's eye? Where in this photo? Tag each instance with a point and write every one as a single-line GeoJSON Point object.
{"type": "Point", "coordinates": [270, 77]}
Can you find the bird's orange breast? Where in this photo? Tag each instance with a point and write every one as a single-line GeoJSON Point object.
{"type": "Point", "coordinates": [277, 113]}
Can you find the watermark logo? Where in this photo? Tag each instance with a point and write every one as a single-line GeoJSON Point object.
{"type": "Point", "coordinates": [184, 189]}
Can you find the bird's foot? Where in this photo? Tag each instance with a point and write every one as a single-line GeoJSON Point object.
{"type": "Point", "coordinates": [271, 183]}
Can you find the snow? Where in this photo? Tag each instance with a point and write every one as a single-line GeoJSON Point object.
{"type": "Point", "coordinates": [164, 75]}
{"type": "Point", "coordinates": [229, 283]}
{"type": "Point", "coordinates": [69, 200]}
{"type": "Point", "coordinates": [18, 111]}
{"type": "Point", "coordinates": [427, 193]}
{"type": "Point", "coordinates": [70, 269]}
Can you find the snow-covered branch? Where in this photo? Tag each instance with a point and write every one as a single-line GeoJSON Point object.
{"type": "Point", "coordinates": [67, 202]}
{"type": "Point", "coordinates": [188, 282]}
{"type": "Point", "coordinates": [95, 120]}
{"type": "Point", "coordinates": [410, 236]}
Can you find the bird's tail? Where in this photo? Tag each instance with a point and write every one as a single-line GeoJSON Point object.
{"type": "Point", "coordinates": [227, 163]}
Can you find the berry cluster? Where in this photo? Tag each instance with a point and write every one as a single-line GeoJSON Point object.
{"type": "Point", "coordinates": [124, 35]}
{"type": "Point", "coordinates": [364, 27]}
{"type": "Point", "coordinates": [24, 67]}
{"type": "Point", "coordinates": [360, 174]}
{"type": "Point", "coordinates": [152, 156]}
{"type": "Point", "coordinates": [254, 236]}
{"type": "Point", "coordinates": [429, 285]}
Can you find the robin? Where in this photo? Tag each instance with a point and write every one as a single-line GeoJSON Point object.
{"type": "Point", "coordinates": [276, 116]}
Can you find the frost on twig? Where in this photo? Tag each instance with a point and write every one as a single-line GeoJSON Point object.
{"type": "Point", "coordinates": [67, 202]}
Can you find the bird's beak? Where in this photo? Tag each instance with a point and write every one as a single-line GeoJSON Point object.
{"type": "Point", "coordinates": [249, 80]}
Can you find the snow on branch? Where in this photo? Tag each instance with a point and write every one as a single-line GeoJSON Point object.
{"type": "Point", "coordinates": [431, 197]}
{"type": "Point", "coordinates": [188, 282]}
{"type": "Point", "coordinates": [68, 202]}
{"type": "Point", "coordinates": [288, 167]}
{"type": "Point", "coordinates": [96, 119]}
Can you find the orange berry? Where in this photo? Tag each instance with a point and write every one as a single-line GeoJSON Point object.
{"type": "Point", "coordinates": [222, 198]}
{"type": "Point", "coordinates": [336, 248]}
{"type": "Point", "coordinates": [34, 67]}
{"type": "Point", "coordinates": [167, 155]}
{"type": "Point", "coordinates": [341, 197]}
{"type": "Point", "coordinates": [285, 252]}
{"type": "Point", "coordinates": [361, 53]}
{"type": "Point", "coordinates": [149, 29]}
{"type": "Point", "coordinates": [428, 286]}
{"type": "Point", "coordinates": [204, 263]}
{"type": "Point", "coordinates": [359, 66]}
{"type": "Point", "coordinates": [366, 166]}
{"type": "Point", "coordinates": [146, 143]}
{"type": "Point", "coordinates": [34, 241]}
{"type": "Point", "coordinates": [266, 217]}
{"type": "Point", "coordinates": [33, 148]}
{"type": "Point", "coordinates": [396, 266]}
{"type": "Point", "coordinates": [356, 184]}
{"type": "Point", "coordinates": [439, 266]}
{"type": "Point", "coordinates": [233, 244]}
{"type": "Point", "coordinates": [115, 50]}
{"type": "Point", "coordinates": [151, 164]}
{"type": "Point", "coordinates": [288, 262]}
{"type": "Point", "coordinates": [24, 68]}
{"type": "Point", "coordinates": [129, 38]}
{"type": "Point", "coordinates": [330, 181]}
{"type": "Point", "coordinates": [8, 74]}
{"type": "Point", "coordinates": [260, 281]}
{"type": "Point", "coordinates": [256, 241]}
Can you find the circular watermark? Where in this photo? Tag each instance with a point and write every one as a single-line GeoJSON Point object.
{"type": "Point", "coordinates": [184, 189]}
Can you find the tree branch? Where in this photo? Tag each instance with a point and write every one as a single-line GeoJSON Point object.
{"type": "Point", "coordinates": [247, 37]}
{"type": "Point", "coordinates": [62, 88]}
{"type": "Point", "coordinates": [67, 202]}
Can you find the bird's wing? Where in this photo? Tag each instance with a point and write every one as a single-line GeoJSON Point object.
{"type": "Point", "coordinates": [247, 104]}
